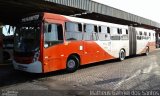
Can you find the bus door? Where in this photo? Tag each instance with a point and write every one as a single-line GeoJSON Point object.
{"type": "Point", "coordinates": [132, 41]}
{"type": "Point", "coordinates": [53, 39]}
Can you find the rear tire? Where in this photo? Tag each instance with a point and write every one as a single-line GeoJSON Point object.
{"type": "Point", "coordinates": [72, 64]}
{"type": "Point", "coordinates": [122, 55]}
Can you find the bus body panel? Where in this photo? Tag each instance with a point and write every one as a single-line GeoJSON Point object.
{"type": "Point", "coordinates": [55, 57]}
{"type": "Point", "coordinates": [142, 45]}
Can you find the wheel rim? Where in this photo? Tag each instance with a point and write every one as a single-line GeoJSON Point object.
{"type": "Point", "coordinates": [71, 64]}
{"type": "Point", "coordinates": [122, 55]}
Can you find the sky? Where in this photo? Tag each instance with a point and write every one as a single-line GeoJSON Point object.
{"type": "Point", "coordinates": [149, 9]}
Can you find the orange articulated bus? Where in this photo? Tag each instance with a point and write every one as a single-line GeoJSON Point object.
{"type": "Point", "coordinates": [48, 42]}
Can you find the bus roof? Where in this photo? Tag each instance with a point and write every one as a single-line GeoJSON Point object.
{"type": "Point", "coordinates": [81, 20]}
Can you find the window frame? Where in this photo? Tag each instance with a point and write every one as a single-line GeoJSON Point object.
{"type": "Point", "coordinates": [79, 31]}
{"type": "Point", "coordinates": [96, 33]}
{"type": "Point", "coordinates": [105, 33]}
{"type": "Point", "coordinates": [44, 31]}
{"type": "Point", "coordinates": [65, 27]}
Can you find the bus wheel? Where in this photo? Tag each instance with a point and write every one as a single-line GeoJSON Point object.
{"type": "Point", "coordinates": [122, 55]}
{"type": "Point", "coordinates": [147, 51]}
{"type": "Point", "coordinates": [72, 64]}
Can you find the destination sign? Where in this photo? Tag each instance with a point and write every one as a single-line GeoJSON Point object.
{"type": "Point", "coordinates": [31, 18]}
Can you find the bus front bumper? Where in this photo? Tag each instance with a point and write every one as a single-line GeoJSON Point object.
{"type": "Point", "coordinates": [35, 67]}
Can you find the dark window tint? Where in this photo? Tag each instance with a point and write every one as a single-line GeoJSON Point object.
{"type": "Point", "coordinates": [95, 29]}
{"type": "Point", "coordinates": [100, 30]}
{"type": "Point", "coordinates": [108, 30]}
{"type": "Point", "coordinates": [126, 31]}
{"type": "Point", "coordinates": [140, 32]}
{"type": "Point", "coordinates": [145, 33]}
{"type": "Point", "coordinates": [149, 34]}
{"type": "Point", "coordinates": [118, 30]}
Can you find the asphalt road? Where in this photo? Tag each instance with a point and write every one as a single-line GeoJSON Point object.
{"type": "Point", "coordinates": [135, 73]}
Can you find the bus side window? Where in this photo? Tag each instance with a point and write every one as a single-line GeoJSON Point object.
{"type": "Point", "coordinates": [149, 34]}
{"type": "Point", "coordinates": [126, 31]}
{"type": "Point", "coordinates": [145, 33]}
{"type": "Point", "coordinates": [53, 34]}
{"type": "Point", "coordinates": [118, 30]}
{"type": "Point", "coordinates": [108, 30]}
{"type": "Point", "coordinates": [49, 28]}
{"type": "Point", "coordinates": [140, 33]}
{"type": "Point", "coordinates": [80, 27]}
{"type": "Point", "coordinates": [115, 33]}
{"type": "Point", "coordinates": [103, 35]}
{"type": "Point", "coordinates": [95, 29]}
{"type": "Point", "coordinates": [60, 33]}
{"type": "Point", "coordinates": [100, 30]}
{"type": "Point", "coordinates": [89, 32]}
{"type": "Point", "coordinates": [73, 31]}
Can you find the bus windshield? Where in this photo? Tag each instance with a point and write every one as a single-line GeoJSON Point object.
{"type": "Point", "coordinates": [27, 37]}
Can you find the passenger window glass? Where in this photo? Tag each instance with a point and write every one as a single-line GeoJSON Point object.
{"type": "Point", "coordinates": [104, 36]}
{"type": "Point", "coordinates": [53, 34]}
{"type": "Point", "coordinates": [90, 32]}
{"type": "Point", "coordinates": [118, 31]}
{"type": "Point", "coordinates": [49, 28]}
{"type": "Point", "coordinates": [104, 29]}
{"type": "Point", "coordinates": [100, 30]}
{"type": "Point", "coordinates": [149, 34]}
{"type": "Point", "coordinates": [114, 34]}
{"type": "Point", "coordinates": [114, 31]}
{"type": "Point", "coordinates": [140, 33]}
{"type": "Point", "coordinates": [73, 31]}
{"type": "Point", "coordinates": [145, 33]}
{"type": "Point", "coordinates": [108, 30]}
{"type": "Point", "coordinates": [89, 28]}
{"type": "Point", "coordinates": [95, 29]}
{"type": "Point", "coordinates": [126, 31]}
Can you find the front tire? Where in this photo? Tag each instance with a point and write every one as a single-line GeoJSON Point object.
{"type": "Point", "coordinates": [72, 64]}
{"type": "Point", "coordinates": [122, 55]}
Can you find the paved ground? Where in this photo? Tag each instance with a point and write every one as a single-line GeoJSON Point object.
{"type": "Point", "coordinates": [138, 73]}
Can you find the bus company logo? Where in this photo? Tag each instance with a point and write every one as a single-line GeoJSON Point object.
{"type": "Point", "coordinates": [9, 93]}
